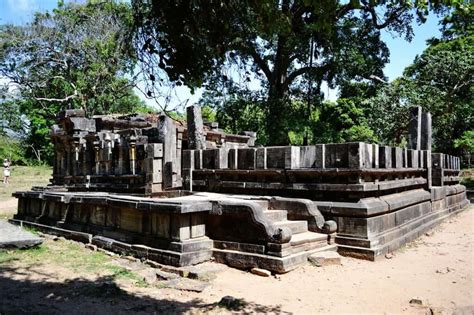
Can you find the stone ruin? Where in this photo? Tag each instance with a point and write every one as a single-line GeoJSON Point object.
{"type": "Point", "coordinates": [181, 194]}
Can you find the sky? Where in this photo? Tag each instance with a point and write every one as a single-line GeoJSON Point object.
{"type": "Point", "coordinates": [402, 53]}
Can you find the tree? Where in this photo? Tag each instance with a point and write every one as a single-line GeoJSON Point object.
{"type": "Point", "coordinates": [440, 80]}
{"type": "Point", "coordinates": [289, 46]}
{"type": "Point", "coordinates": [466, 144]}
{"type": "Point", "coordinates": [78, 56]}
{"type": "Point", "coordinates": [343, 121]}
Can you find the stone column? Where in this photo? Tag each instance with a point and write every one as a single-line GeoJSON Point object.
{"type": "Point", "coordinates": [196, 138]}
{"type": "Point", "coordinates": [167, 136]}
{"type": "Point", "coordinates": [414, 128]}
{"type": "Point", "coordinates": [426, 132]}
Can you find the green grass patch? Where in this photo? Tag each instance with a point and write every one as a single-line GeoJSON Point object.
{"type": "Point", "coordinates": [71, 255]}
{"type": "Point", "coordinates": [23, 178]}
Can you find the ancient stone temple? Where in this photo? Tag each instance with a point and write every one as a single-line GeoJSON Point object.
{"type": "Point", "coordinates": [180, 194]}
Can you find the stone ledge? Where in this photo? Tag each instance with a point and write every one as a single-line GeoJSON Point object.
{"type": "Point", "coordinates": [243, 260]}
{"type": "Point", "coordinates": [409, 232]}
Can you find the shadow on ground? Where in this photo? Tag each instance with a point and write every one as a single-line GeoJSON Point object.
{"type": "Point", "coordinates": [19, 294]}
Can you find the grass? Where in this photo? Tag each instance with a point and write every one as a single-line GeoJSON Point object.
{"type": "Point", "coordinates": [70, 255]}
{"type": "Point", "coordinates": [22, 178]}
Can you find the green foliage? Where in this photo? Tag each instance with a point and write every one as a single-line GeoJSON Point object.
{"type": "Point", "coordinates": [466, 142]}
{"type": "Point", "coordinates": [343, 121]}
{"type": "Point", "coordinates": [290, 47]}
{"type": "Point", "coordinates": [241, 112]}
{"type": "Point", "coordinates": [208, 114]}
{"type": "Point", "coordinates": [13, 150]}
{"type": "Point", "coordinates": [440, 80]}
{"type": "Point", "coordinates": [78, 56]}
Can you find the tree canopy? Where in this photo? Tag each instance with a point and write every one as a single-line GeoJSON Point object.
{"type": "Point", "coordinates": [440, 80]}
{"type": "Point", "coordinates": [78, 56]}
{"type": "Point", "coordinates": [290, 47]}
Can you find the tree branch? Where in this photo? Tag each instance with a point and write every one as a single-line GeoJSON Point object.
{"type": "Point", "coordinates": [260, 62]}
{"type": "Point", "coordinates": [303, 70]}
{"type": "Point", "coordinates": [392, 16]}
{"type": "Point", "coordinates": [61, 100]}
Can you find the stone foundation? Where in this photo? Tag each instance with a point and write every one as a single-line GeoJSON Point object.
{"type": "Point", "coordinates": [130, 184]}
{"type": "Point", "coordinates": [182, 231]}
{"type": "Point", "coordinates": [400, 219]}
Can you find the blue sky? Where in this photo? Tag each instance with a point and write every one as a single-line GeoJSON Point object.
{"type": "Point", "coordinates": [402, 52]}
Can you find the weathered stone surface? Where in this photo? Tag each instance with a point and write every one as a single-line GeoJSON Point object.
{"type": "Point", "coordinates": [196, 138]}
{"type": "Point", "coordinates": [320, 156]}
{"type": "Point", "coordinates": [356, 155]}
{"type": "Point", "coordinates": [416, 301]}
{"type": "Point", "coordinates": [397, 157]}
{"type": "Point", "coordinates": [261, 156]}
{"type": "Point", "coordinates": [167, 136]}
{"type": "Point", "coordinates": [385, 157]}
{"type": "Point", "coordinates": [287, 157]}
{"type": "Point", "coordinates": [426, 132]}
{"type": "Point", "coordinates": [204, 272]}
{"type": "Point", "coordinates": [307, 156]}
{"type": "Point", "coordinates": [247, 159]}
{"type": "Point", "coordinates": [414, 128]}
{"type": "Point", "coordinates": [342, 155]}
{"type": "Point", "coordinates": [261, 272]}
{"type": "Point", "coordinates": [13, 236]}
{"type": "Point", "coordinates": [330, 227]}
{"type": "Point", "coordinates": [163, 275]}
{"type": "Point", "coordinates": [149, 275]}
{"type": "Point", "coordinates": [325, 259]}
{"type": "Point", "coordinates": [185, 284]}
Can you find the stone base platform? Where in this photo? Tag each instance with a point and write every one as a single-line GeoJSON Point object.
{"type": "Point", "coordinates": [376, 226]}
{"type": "Point", "coordinates": [245, 232]}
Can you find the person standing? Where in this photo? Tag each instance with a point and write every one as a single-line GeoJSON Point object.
{"type": "Point", "coordinates": [6, 171]}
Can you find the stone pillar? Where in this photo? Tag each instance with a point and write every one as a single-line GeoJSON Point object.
{"type": "Point", "coordinates": [414, 128]}
{"type": "Point", "coordinates": [167, 136]}
{"type": "Point", "coordinates": [196, 138]}
{"type": "Point", "coordinates": [426, 132]}
{"type": "Point", "coordinates": [153, 167]}
{"type": "Point", "coordinates": [108, 153]}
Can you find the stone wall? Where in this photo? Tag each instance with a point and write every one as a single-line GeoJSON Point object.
{"type": "Point", "coordinates": [125, 154]}
{"type": "Point", "coordinates": [380, 197]}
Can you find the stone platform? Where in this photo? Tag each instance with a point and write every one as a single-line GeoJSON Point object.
{"type": "Point", "coordinates": [148, 186]}
{"type": "Point", "coordinates": [277, 234]}
{"type": "Point", "coordinates": [376, 226]}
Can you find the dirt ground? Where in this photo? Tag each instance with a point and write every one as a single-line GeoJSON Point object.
{"type": "Point", "coordinates": [438, 268]}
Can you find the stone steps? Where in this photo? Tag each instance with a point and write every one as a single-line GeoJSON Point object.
{"type": "Point", "coordinates": [295, 226]}
{"type": "Point", "coordinates": [276, 215]}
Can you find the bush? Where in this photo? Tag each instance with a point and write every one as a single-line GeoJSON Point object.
{"type": "Point", "coordinates": [14, 150]}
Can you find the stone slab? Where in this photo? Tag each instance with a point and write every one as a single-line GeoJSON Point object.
{"type": "Point", "coordinates": [14, 236]}
{"type": "Point", "coordinates": [186, 284]}
{"type": "Point", "coordinates": [325, 259]}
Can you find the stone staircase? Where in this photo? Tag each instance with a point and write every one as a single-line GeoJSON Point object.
{"type": "Point", "coordinates": [279, 258]}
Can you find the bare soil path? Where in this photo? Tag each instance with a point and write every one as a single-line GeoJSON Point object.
{"type": "Point", "coordinates": [438, 268]}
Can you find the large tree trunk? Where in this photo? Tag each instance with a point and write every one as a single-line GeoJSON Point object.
{"type": "Point", "coordinates": [277, 121]}
{"type": "Point", "coordinates": [278, 100]}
